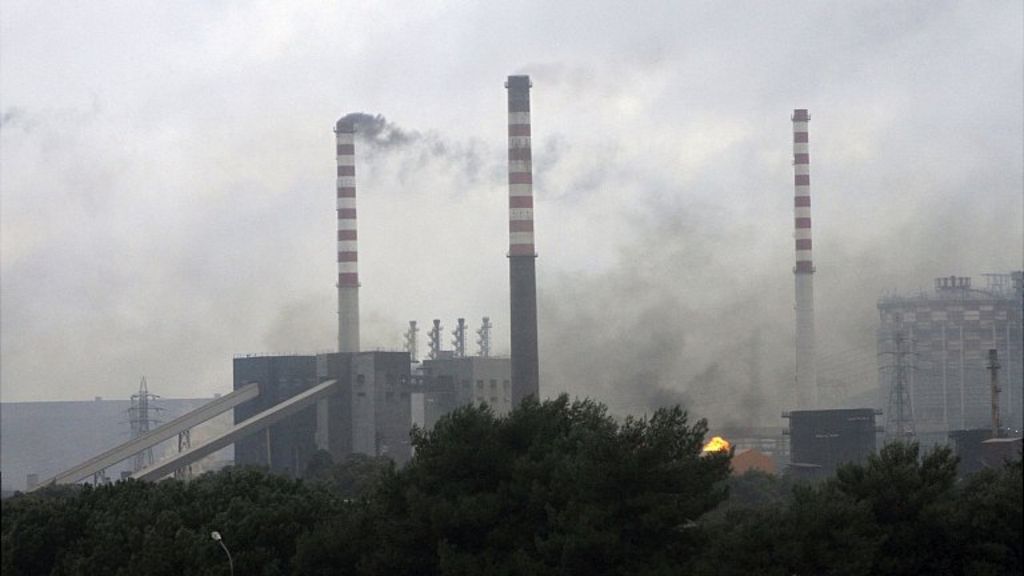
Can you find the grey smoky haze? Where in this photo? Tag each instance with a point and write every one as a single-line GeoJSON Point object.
{"type": "Point", "coordinates": [167, 179]}
{"type": "Point", "coordinates": [377, 131]}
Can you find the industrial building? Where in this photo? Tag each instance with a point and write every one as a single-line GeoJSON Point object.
{"type": "Point", "coordinates": [285, 408]}
{"type": "Point", "coordinates": [772, 441]}
{"type": "Point", "coordinates": [368, 409]}
{"type": "Point", "coordinates": [452, 382]}
{"type": "Point", "coordinates": [822, 440]}
{"type": "Point", "coordinates": [381, 413]}
{"type": "Point", "coordinates": [284, 447]}
{"type": "Point", "coordinates": [367, 412]}
{"type": "Point", "coordinates": [977, 449]}
{"type": "Point", "coordinates": [934, 349]}
{"type": "Point", "coordinates": [448, 379]}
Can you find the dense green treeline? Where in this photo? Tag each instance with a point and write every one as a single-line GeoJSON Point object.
{"type": "Point", "coordinates": [900, 513]}
{"type": "Point", "coordinates": [557, 487]}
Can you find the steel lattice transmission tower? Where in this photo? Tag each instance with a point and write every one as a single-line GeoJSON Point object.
{"type": "Point", "coordinates": [142, 420]}
{"type": "Point", "coordinates": [900, 414]}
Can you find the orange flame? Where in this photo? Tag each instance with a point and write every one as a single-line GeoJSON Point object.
{"type": "Point", "coordinates": [716, 444]}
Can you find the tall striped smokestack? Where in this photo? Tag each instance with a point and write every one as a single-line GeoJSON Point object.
{"type": "Point", "coordinates": [348, 261]}
{"type": "Point", "coordinates": [521, 250]}
{"type": "Point", "coordinates": [806, 368]}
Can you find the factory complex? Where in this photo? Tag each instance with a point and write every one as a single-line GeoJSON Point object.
{"type": "Point", "coordinates": [950, 363]}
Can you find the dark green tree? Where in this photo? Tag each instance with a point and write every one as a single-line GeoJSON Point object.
{"type": "Point", "coordinates": [988, 522]}
{"type": "Point", "coordinates": [898, 513]}
{"type": "Point", "coordinates": [37, 528]}
{"type": "Point", "coordinates": [755, 490]}
{"type": "Point", "coordinates": [557, 487]}
{"type": "Point", "coordinates": [163, 528]}
{"type": "Point", "coordinates": [352, 478]}
{"type": "Point", "coordinates": [910, 497]}
{"type": "Point", "coordinates": [817, 531]}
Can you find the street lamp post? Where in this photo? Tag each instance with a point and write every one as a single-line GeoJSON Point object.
{"type": "Point", "coordinates": [216, 538]}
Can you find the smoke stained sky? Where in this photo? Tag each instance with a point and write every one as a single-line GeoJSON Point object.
{"type": "Point", "coordinates": [167, 180]}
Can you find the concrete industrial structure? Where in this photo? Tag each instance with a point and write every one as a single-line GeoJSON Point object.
{"type": "Point", "coordinates": [285, 408]}
{"type": "Point", "coordinates": [772, 441]}
{"type": "Point", "coordinates": [348, 242]}
{"type": "Point", "coordinates": [64, 434]}
{"type": "Point", "coordinates": [522, 251]}
{"type": "Point", "coordinates": [286, 446]}
{"type": "Point", "coordinates": [947, 334]}
{"type": "Point", "coordinates": [977, 449]}
{"type": "Point", "coordinates": [448, 383]}
{"type": "Point", "coordinates": [807, 394]}
{"type": "Point", "coordinates": [366, 412]}
{"type": "Point", "coordinates": [379, 387]}
{"type": "Point", "coordinates": [97, 466]}
{"type": "Point", "coordinates": [241, 430]}
{"type": "Point", "coordinates": [822, 440]}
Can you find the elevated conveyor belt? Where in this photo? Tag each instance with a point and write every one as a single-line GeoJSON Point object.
{"type": "Point", "coordinates": [165, 432]}
{"type": "Point", "coordinates": [258, 422]}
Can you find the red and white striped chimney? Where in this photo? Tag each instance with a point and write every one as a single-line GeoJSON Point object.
{"type": "Point", "coordinates": [348, 251]}
{"type": "Point", "coordinates": [806, 368]}
{"type": "Point", "coordinates": [520, 168]}
{"type": "Point", "coordinates": [522, 253]}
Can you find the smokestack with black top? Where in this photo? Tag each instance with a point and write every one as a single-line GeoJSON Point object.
{"type": "Point", "coordinates": [348, 252]}
{"type": "Point", "coordinates": [521, 250]}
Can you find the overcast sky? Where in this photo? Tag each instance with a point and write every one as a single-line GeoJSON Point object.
{"type": "Point", "coordinates": [168, 181]}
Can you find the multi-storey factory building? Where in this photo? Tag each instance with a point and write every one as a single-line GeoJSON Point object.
{"type": "Point", "coordinates": [452, 382]}
{"type": "Point", "coordinates": [937, 345]}
{"type": "Point", "coordinates": [370, 412]}
{"type": "Point", "coordinates": [367, 412]}
{"type": "Point", "coordinates": [284, 447]}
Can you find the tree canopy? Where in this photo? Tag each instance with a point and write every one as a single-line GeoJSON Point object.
{"type": "Point", "coordinates": [137, 527]}
{"type": "Point", "coordinates": [899, 513]}
{"type": "Point", "coordinates": [554, 487]}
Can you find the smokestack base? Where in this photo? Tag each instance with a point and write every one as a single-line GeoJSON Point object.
{"type": "Point", "coordinates": [524, 353]}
